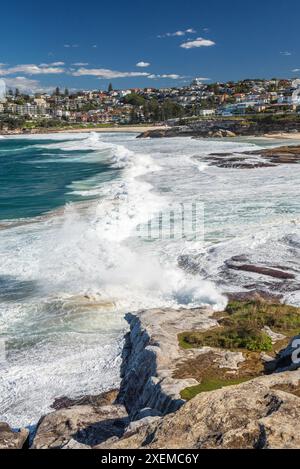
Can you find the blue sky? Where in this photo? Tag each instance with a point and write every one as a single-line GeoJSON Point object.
{"type": "Point", "coordinates": [87, 44]}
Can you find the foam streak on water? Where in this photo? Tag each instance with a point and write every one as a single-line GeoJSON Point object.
{"type": "Point", "coordinates": [67, 280]}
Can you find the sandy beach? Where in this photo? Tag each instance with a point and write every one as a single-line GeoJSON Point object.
{"type": "Point", "coordinates": [284, 135]}
{"type": "Point", "coordinates": [124, 128]}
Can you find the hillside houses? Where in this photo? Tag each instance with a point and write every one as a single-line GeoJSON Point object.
{"type": "Point", "coordinates": [152, 104]}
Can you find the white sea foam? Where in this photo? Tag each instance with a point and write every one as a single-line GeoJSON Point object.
{"type": "Point", "coordinates": [63, 346]}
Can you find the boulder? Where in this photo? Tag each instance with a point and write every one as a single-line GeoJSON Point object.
{"type": "Point", "coordinates": [10, 439]}
{"type": "Point", "coordinates": [85, 424]}
{"type": "Point", "coordinates": [73, 444]}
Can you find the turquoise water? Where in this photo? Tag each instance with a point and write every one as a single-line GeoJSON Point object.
{"type": "Point", "coordinates": [68, 278]}
{"type": "Point", "coordinates": [35, 177]}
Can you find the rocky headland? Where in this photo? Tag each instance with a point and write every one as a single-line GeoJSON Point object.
{"type": "Point", "coordinates": [227, 127]}
{"type": "Point", "coordinates": [263, 158]}
{"type": "Point", "coordinates": [191, 378]}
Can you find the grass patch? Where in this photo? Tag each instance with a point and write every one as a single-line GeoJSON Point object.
{"type": "Point", "coordinates": [240, 328]}
{"type": "Point", "coordinates": [241, 337]}
{"type": "Point", "coordinates": [256, 314]}
{"type": "Point", "coordinates": [242, 324]}
{"type": "Point", "coordinates": [209, 384]}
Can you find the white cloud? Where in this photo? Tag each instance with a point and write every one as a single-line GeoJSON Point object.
{"type": "Point", "coordinates": [201, 79]}
{"type": "Point", "coordinates": [31, 69]}
{"type": "Point", "coordinates": [53, 64]}
{"type": "Point", "coordinates": [94, 46]}
{"type": "Point", "coordinates": [25, 84]}
{"type": "Point", "coordinates": [171, 76]}
{"type": "Point", "coordinates": [57, 64]}
{"type": "Point", "coordinates": [143, 64]}
{"type": "Point", "coordinates": [178, 33]}
{"type": "Point", "coordinates": [296, 70]}
{"type": "Point", "coordinates": [107, 73]}
{"type": "Point", "coordinates": [286, 53]}
{"type": "Point", "coordinates": [67, 46]}
{"type": "Point", "coordinates": [199, 42]}
{"type": "Point", "coordinates": [80, 64]}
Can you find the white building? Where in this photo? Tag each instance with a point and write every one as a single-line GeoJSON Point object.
{"type": "Point", "coordinates": [207, 112]}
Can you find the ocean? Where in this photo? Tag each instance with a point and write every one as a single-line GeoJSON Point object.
{"type": "Point", "coordinates": [91, 227]}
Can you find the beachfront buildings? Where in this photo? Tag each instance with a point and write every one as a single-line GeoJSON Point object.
{"type": "Point", "coordinates": [153, 105]}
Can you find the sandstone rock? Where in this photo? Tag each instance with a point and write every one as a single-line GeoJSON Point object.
{"type": "Point", "coordinates": [250, 415]}
{"type": "Point", "coordinates": [151, 353]}
{"type": "Point", "coordinates": [280, 155]}
{"type": "Point", "coordinates": [254, 295]}
{"type": "Point", "coordinates": [105, 398]}
{"type": "Point", "coordinates": [274, 336]}
{"type": "Point", "coordinates": [229, 133]}
{"type": "Point", "coordinates": [276, 273]}
{"type": "Point", "coordinates": [10, 439]}
{"type": "Point", "coordinates": [204, 128]}
{"type": "Point", "coordinates": [85, 424]}
{"type": "Point", "coordinates": [148, 412]}
{"type": "Point", "coordinates": [73, 444]}
{"type": "Point", "coordinates": [230, 360]}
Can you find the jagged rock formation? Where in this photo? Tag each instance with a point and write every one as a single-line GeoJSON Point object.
{"type": "Point", "coordinates": [148, 389]}
{"type": "Point", "coordinates": [84, 424]}
{"type": "Point", "coordinates": [262, 413]}
{"type": "Point", "coordinates": [151, 356]}
{"type": "Point", "coordinates": [10, 439]}
{"type": "Point", "coordinates": [150, 412]}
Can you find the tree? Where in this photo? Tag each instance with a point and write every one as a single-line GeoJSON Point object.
{"type": "Point", "coordinates": [57, 91]}
{"type": "Point", "coordinates": [134, 99]}
{"type": "Point", "coordinates": [17, 92]}
{"type": "Point", "coordinates": [66, 92]}
{"type": "Point", "coordinates": [110, 87]}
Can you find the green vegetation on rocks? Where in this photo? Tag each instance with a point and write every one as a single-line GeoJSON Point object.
{"type": "Point", "coordinates": [241, 327]}
{"type": "Point", "coordinates": [209, 384]}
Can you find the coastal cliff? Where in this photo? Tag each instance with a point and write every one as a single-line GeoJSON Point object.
{"type": "Point", "coordinates": [151, 354]}
{"type": "Point", "coordinates": [184, 386]}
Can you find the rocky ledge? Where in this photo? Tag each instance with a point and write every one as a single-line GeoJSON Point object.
{"type": "Point", "coordinates": [228, 127]}
{"type": "Point", "coordinates": [191, 378]}
{"type": "Point", "coordinates": [254, 159]}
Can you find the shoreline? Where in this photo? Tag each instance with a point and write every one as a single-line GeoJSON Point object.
{"type": "Point", "coordinates": [283, 136]}
{"type": "Point", "coordinates": [125, 128]}
{"type": "Point", "coordinates": [139, 130]}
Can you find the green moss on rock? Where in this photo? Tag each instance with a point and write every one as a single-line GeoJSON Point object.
{"type": "Point", "coordinates": [209, 384]}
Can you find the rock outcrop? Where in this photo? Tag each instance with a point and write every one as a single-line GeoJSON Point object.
{"type": "Point", "coordinates": [219, 127]}
{"type": "Point", "coordinates": [150, 410]}
{"type": "Point", "coordinates": [263, 158]}
{"type": "Point", "coordinates": [80, 425]}
{"type": "Point", "coordinates": [151, 355]}
{"type": "Point", "coordinates": [148, 388]}
{"type": "Point", "coordinates": [262, 413]}
{"type": "Point", "coordinates": [281, 155]}
{"type": "Point", "coordinates": [10, 439]}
